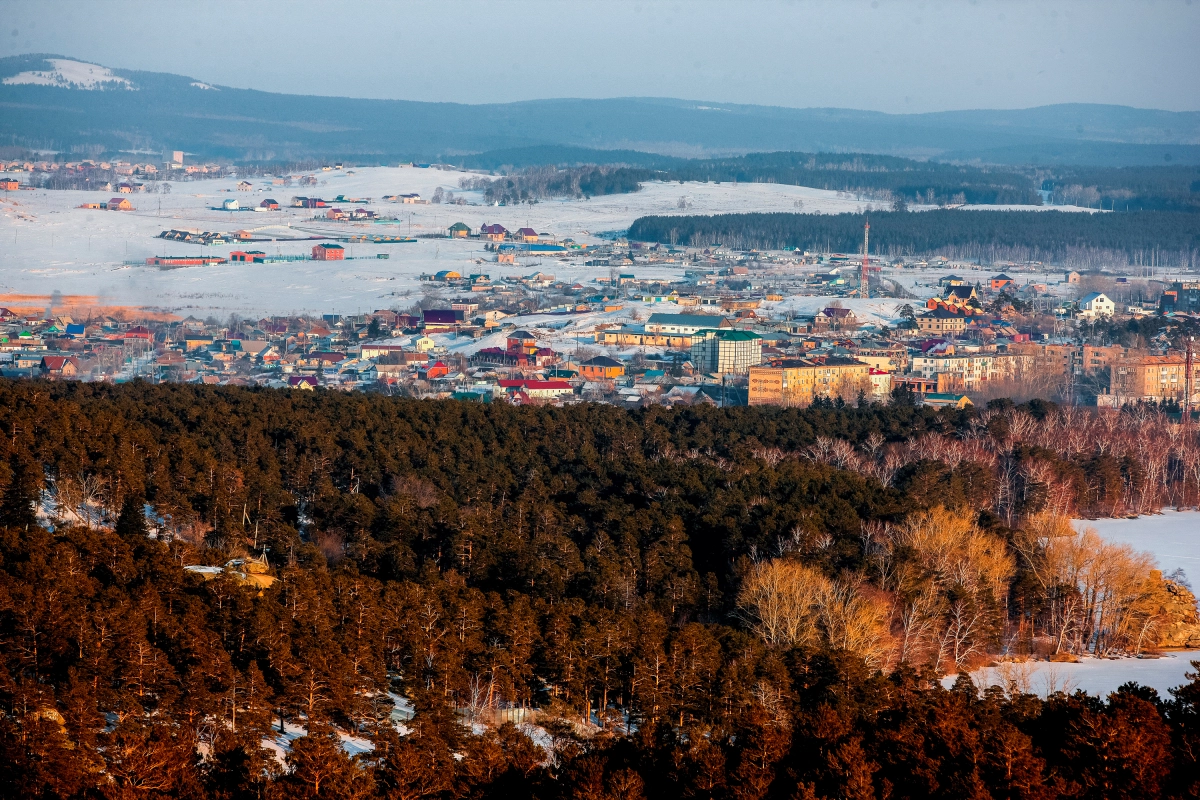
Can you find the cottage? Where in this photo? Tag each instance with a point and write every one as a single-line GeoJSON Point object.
{"type": "Point", "coordinates": [527, 234]}
{"type": "Point", "coordinates": [459, 230]}
{"type": "Point", "coordinates": [243, 186]}
{"type": "Point", "coordinates": [119, 204]}
{"type": "Point", "coordinates": [947, 400]}
{"type": "Point", "coordinates": [1096, 304]}
{"type": "Point", "coordinates": [305, 382]}
{"type": "Point", "coordinates": [269, 204]}
{"type": "Point", "coordinates": [53, 367]}
{"type": "Point", "coordinates": [328, 252]}
{"type": "Point", "coordinates": [494, 233]}
{"type": "Point", "coordinates": [601, 368]}
{"type": "Point", "coordinates": [998, 282]}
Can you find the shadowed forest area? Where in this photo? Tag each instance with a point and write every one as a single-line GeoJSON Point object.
{"type": "Point", "coordinates": [444, 599]}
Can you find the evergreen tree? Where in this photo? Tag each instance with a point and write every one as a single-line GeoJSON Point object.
{"type": "Point", "coordinates": [18, 506]}
{"type": "Point", "coordinates": [131, 524]}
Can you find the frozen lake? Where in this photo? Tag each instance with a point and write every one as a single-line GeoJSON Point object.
{"type": "Point", "coordinates": [1173, 537]}
{"type": "Point", "coordinates": [1094, 676]}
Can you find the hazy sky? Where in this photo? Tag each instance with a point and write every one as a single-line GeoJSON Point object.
{"type": "Point", "coordinates": [886, 55]}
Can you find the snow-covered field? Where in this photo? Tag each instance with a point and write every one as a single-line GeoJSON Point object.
{"type": "Point", "coordinates": [48, 244]}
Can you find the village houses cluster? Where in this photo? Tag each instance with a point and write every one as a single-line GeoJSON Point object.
{"type": "Point", "coordinates": [716, 336]}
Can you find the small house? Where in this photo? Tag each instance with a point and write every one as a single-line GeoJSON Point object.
{"type": "Point", "coordinates": [269, 204]}
{"type": "Point", "coordinates": [328, 252]}
{"type": "Point", "coordinates": [243, 186]}
{"type": "Point", "coordinates": [460, 230]}
{"type": "Point", "coordinates": [601, 368]}
{"type": "Point", "coordinates": [119, 204]}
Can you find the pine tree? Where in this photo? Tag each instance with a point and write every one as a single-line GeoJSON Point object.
{"type": "Point", "coordinates": [131, 524]}
{"type": "Point", "coordinates": [17, 508]}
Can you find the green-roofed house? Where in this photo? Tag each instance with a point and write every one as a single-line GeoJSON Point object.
{"type": "Point", "coordinates": [460, 230]}
{"type": "Point", "coordinates": [726, 351]}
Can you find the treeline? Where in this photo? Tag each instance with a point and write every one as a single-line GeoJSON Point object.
{"type": "Point", "coordinates": [638, 578]}
{"type": "Point", "coordinates": [1065, 238]}
{"type": "Point", "coordinates": [881, 178]}
{"type": "Point", "coordinates": [541, 183]}
{"type": "Point", "coordinates": [1174, 188]}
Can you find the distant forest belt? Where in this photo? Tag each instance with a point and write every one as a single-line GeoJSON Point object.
{"type": "Point", "coordinates": [1167, 238]}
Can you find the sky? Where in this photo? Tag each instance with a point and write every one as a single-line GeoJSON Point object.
{"type": "Point", "coordinates": [896, 56]}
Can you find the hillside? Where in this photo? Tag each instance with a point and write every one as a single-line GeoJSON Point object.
{"type": "Point", "coordinates": [57, 103]}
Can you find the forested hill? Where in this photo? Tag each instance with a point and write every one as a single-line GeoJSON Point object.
{"type": "Point", "coordinates": [1051, 236]}
{"type": "Point", "coordinates": [734, 604]}
{"type": "Point", "coordinates": [159, 111]}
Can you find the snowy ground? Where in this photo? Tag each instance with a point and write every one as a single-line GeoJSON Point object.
{"type": "Point", "coordinates": [1173, 537]}
{"type": "Point", "coordinates": [49, 244]}
{"type": "Point", "coordinates": [1092, 675]}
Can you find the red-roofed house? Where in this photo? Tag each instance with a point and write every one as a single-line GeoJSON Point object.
{"type": "Point", "coordinates": [53, 367]}
{"type": "Point", "coordinates": [495, 233]}
{"type": "Point", "coordinates": [119, 204]}
{"type": "Point", "coordinates": [527, 234]}
{"type": "Point", "coordinates": [306, 382]}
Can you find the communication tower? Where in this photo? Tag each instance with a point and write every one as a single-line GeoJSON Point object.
{"type": "Point", "coordinates": [865, 284]}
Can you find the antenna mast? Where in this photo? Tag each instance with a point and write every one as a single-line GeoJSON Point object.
{"type": "Point", "coordinates": [865, 282]}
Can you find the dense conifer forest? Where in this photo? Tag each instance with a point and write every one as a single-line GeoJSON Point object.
{"type": "Point", "coordinates": [701, 602]}
{"type": "Point", "coordinates": [1144, 237]}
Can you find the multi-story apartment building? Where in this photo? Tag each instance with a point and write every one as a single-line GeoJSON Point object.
{"type": "Point", "coordinates": [967, 372]}
{"type": "Point", "coordinates": [797, 382]}
{"type": "Point", "coordinates": [726, 352]}
{"type": "Point", "coordinates": [1151, 377]}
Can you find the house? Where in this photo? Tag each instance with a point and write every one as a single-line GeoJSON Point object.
{"type": "Point", "coordinates": [125, 188]}
{"type": "Point", "coordinates": [494, 233]}
{"type": "Point", "coordinates": [245, 256]}
{"type": "Point", "coordinates": [998, 282]}
{"type": "Point", "coordinates": [1071, 277]}
{"type": "Point", "coordinates": [433, 371]}
{"type": "Point", "coordinates": [442, 319]}
{"type": "Point", "coordinates": [941, 320]}
{"type": "Point", "coordinates": [537, 389]}
{"type": "Point", "coordinates": [243, 186]}
{"type": "Point", "coordinates": [1096, 304]}
{"type": "Point", "coordinates": [53, 367]}
{"type": "Point", "coordinates": [527, 234]}
{"type": "Point", "coordinates": [459, 230]}
{"type": "Point", "coordinates": [835, 319]}
{"type": "Point", "coordinates": [306, 382]}
{"type": "Point", "coordinates": [269, 204]}
{"type": "Point", "coordinates": [947, 400]}
{"type": "Point", "coordinates": [230, 205]}
{"type": "Point", "coordinates": [334, 213]}
{"type": "Point", "coordinates": [448, 275]}
{"type": "Point", "coordinates": [328, 252]}
{"type": "Point", "coordinates": [119, 204]}
{"type": "Point", "coordinates": [684, 323]}
{"type": "Point", "coordinates": [9, 185]}
{"type": "Point", "coordinates": [601, 368]}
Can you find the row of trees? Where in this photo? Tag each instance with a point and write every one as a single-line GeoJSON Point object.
{"type": "Point", "coordinates": [1074, 239]}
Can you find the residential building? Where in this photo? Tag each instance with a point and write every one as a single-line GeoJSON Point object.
{"type": "Point", "coordinates": [947, 400]}
{"type": "Point", "coordinates": [601, 368]}
{"type": "Point", "coordinates": [1096, 304]}
{"type": "Point", "coordinates": [328, 252]}
{"type": "Point", "coordinates": [724, 352]}
{"type": "Point", "coordinates": [684, 323]}
{"type": "Point", "coordinates": [941, 321]}
{"type": "Point", "coordinates": [797, 382]}
{"type": "Point", "coordinates": [1152, 377]}
{"type": "Point", "coordinates": [459, 230]}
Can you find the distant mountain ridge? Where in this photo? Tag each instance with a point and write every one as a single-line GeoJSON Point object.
{"type": "Point", "coordinates": [57, 103]}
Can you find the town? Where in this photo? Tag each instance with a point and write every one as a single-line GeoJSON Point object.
{"type": "Point", "coordinates": [725, 334]}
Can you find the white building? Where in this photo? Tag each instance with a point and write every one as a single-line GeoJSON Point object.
{"type": "Point", "coordinates": [1096, 304]}
{"type": "Point", "coordinates": [724, 352]}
